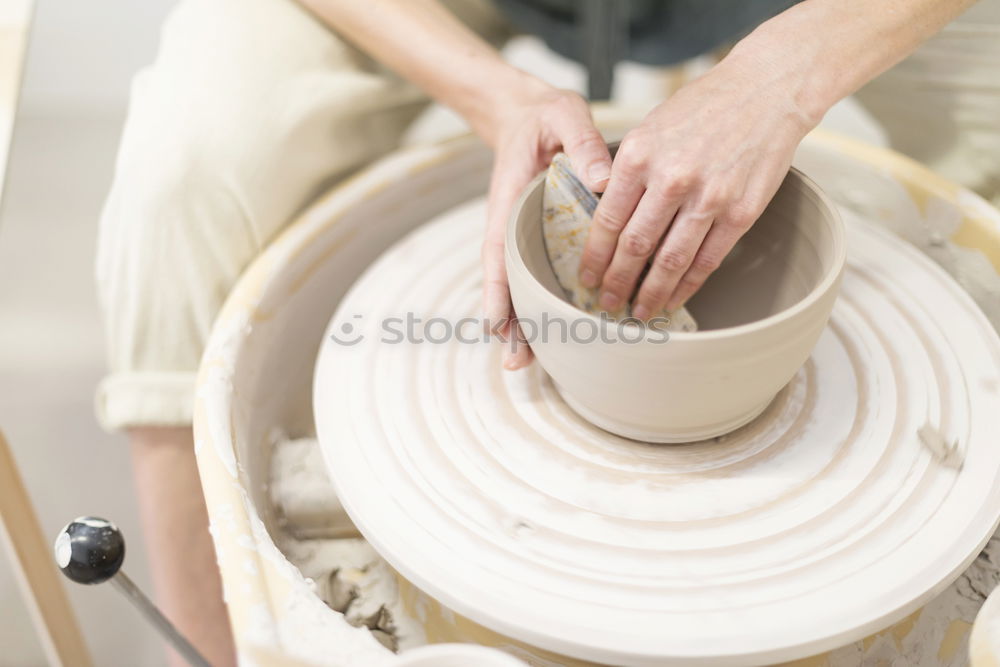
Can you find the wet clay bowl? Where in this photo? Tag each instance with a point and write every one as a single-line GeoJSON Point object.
{"type": "Point", "coordinates": [759, 316]}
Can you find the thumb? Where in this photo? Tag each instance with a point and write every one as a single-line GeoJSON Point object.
{"type": "Point", "coordinates": [587, 151]}
{"type": "Point", "coordinates": [510, 176]}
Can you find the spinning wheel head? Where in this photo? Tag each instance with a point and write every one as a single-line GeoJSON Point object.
{"type": "Point", "coordinates": [90, 550]}
{"type": "Point", "coordinates": [827, 517]}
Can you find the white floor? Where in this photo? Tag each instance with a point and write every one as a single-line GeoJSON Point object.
{"type": "Point", "coordinates": [80, 57]}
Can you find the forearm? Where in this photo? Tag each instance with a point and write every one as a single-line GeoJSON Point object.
{"type": "Point", "coordinates": [423, 42]}
{"type": "Point", "coordinates": [824, 50]}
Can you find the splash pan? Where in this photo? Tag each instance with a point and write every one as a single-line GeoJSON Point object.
{"type": "Point", "coordinates": [823, 520]}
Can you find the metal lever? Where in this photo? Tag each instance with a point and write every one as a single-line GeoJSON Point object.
{"type": "Point", "coordinates": [91, 551]}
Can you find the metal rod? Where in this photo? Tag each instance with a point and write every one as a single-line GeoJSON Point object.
{"type": "Point", "coordinates": [603, 26]}
{"type": "Point", "coordinates": [153, 615]}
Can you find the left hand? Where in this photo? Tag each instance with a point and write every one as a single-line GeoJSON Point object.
{"type": "Point", "coordinates": [688, 182]}
{"type": "Point", "coordinates": [539, 122]}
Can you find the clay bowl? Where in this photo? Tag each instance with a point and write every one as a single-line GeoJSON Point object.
{"type": "Point", "coordinates": [759, 316]}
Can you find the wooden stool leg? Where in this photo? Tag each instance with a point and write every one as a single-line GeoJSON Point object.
{"type": "Point", "coordinates": [36, 570]}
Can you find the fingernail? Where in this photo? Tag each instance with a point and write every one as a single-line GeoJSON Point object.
{"type": "Point", "coordinates": [588, 278]}
{"type": "Point", "coordinates": [609, 301]}
{"type": "Point", "coordinates": [641, 313]}
{"type": "Point", "coordinates": [598, 172]}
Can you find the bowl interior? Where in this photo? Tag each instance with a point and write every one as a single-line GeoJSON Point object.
{"type": "Point", "coordinates": [785, 256]}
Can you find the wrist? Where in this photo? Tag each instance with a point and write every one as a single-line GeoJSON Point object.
{"type": "Point", "coordinates": [801, 73]}
{"type": "Point", "coordinates": [497, 99]}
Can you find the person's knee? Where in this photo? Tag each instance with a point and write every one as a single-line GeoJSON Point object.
{"type": "Point", "coordinates": [218, 155]}
{"type": "Point", "coordinates": [174, 237]}
{"type": "Point", "coordinates": [173, 204]}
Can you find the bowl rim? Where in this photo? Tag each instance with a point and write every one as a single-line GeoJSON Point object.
{"type": "Point", "coordinates": [828, 282]}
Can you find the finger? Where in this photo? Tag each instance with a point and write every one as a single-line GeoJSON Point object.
{"type": "Point", "coordinates": [496, 294]}
{"type": "Point", "coordinates": [636, 244]}
{"type": "Point", "coordinates": [727, 228]}
{"type": "Point", "coordinates": [517, 353]}
{"type": "Point", "coordinates": [508, 180]}
{"type": "Point", "coordinates": [671, 262]}
{"type": "Point", "coordinates": [586, 148]}
{"type": "Point", "coordinates": [610, 218]}
{"type": "Point", "coordinates": [718, 242]}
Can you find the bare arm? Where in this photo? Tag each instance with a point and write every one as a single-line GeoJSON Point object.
{"type": "Point", "coordinates": [703, 165]}
{"type": "Point", "coordinates": [423, 42]}
{"type": "Point", "coordinates": [833, 47]}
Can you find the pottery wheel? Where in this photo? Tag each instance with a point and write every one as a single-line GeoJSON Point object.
{"type": "Point", "coordinates": [823, 520]}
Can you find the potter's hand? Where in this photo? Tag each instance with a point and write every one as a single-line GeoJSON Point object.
{"type": "Point", "coordinates": [685, 186]}
{"type": "Point", "coordinates": [537, 122]}
{"type": "Point", "coordinates": [689, 181]}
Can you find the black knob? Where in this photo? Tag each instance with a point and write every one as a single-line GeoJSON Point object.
{"type": "Point", "coordinates": [90, 550]}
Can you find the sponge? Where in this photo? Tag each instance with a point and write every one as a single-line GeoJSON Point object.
{"type": "Point", "coordinates": [568, 209]}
